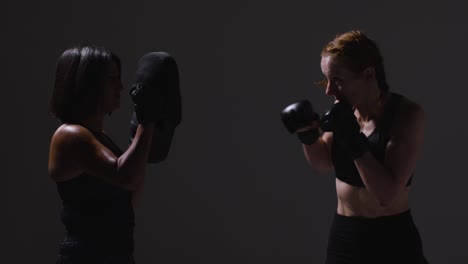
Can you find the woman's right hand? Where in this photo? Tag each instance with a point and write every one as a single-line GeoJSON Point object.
{"type": "Point", "coordinates": [301, 119]}
{"type": "Point", "coordinates": [147, 106]}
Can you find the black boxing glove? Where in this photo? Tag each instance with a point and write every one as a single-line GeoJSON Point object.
{"type": "Point", "coordinates": [145, 102]}
{"type": "Point", "coordinates": [300, 115]}
{"type": "Point", "coordinates": [340, 120]}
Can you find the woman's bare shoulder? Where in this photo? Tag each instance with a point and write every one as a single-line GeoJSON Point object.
{"type": "Point", "coordinates": [409, 106]}
{"type": "Point", "coordinates": [65, 146]}
{"type": "Point", "coordinates": [408, 114]}
{"type": "Point", "coordinates": [71, 134]}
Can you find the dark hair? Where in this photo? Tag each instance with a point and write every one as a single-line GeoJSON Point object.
{"type": "Point", "coordinates": [79, 80]}
{"type": "Point", "coordinates": [358, 52]}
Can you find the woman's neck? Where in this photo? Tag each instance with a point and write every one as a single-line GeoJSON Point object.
{"type": "Point", "coordinates": [94, 122]}
{"type": "Point", "coordinates": [371, 107]}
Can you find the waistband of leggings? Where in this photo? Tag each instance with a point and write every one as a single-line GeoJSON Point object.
{"type": "Point", "coordinates": [400, 218]}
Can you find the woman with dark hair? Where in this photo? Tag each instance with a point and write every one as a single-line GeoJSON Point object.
{"type": "Point", "coordinates": [97, 182]}
{"type": "Point", "coordinates": [371, 138]}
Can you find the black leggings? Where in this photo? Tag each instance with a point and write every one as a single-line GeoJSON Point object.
{"type": "Point", "coordinates": [61, 259]}
{"type": "Point", "coordinates": [388, 239]}
{"type": "Point", "coordinates": [77, 251]}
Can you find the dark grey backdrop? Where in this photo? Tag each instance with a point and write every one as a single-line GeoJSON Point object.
{"type": "Point", "coordinates": [235, 187]}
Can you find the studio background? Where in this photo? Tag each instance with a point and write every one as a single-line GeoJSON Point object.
{"type": "Point", "coordinates": [235, 187]}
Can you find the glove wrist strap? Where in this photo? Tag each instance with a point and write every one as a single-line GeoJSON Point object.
{"type": "Point", "coordinates": [308, 137]}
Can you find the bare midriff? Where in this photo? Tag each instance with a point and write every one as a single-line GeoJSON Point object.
{"type": "Point", "coordinates": [358, 202]}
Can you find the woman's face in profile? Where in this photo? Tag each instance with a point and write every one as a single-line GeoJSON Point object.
{"type": "Point", "coordinates": [341, 82]}
{"type": "Point", "coordinates": [112, 88]}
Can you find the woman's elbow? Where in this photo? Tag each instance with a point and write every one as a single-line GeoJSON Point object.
{"type": "Point", "coordinates": [320, 167]}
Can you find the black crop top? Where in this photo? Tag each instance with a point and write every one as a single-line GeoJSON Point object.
{"type": "Point", "coordinates": [345, 169]}
{"type": "Point", "coordinates": [97, 213]}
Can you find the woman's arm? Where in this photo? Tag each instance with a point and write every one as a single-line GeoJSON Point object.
{"type": "Point", "coordinates": [403, 150]}
{"type": "Point", "coordinates": [318, 154]}
{"type": "Point", "coordinates": [75, 150]}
